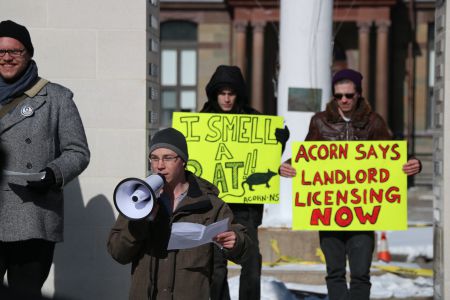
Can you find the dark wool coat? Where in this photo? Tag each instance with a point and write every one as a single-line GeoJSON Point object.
{"type": "Point", "coordinates": [44, 130]}
{"type": "Point", "coordinates": [175, 274]}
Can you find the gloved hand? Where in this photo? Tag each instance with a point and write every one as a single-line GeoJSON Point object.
{"type": "Point", "coordinates": [282, 135]}
{"type": "Point", "coordinates": [45, 183]}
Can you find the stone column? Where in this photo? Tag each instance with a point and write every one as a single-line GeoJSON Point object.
{"type": "Point", "coordinates": [240, 36]}
{"type": "Point", "coordinates": [363, 40]}
{"type": "Point", "coordinates": [257, 101]}
{"type": "Point", "coordinates": [381, 91]}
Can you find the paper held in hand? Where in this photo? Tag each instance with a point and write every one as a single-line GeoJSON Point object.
{"type": "Point", "coordinates": [25, 176]}
{"type": "Point", "coordinates": [188, 235]}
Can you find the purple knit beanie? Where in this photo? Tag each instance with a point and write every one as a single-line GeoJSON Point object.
{"type": "Point", "coordinates": [351, 75]}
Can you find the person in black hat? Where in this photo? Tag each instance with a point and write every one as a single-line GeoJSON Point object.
{"type": "Point", "coordinates": [348, 116]}
{"type": "Point", "coordinates": [43, 137]}
{"type": "Point", "coordinates": [158, 273]}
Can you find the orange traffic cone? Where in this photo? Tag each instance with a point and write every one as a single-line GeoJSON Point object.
{"type": "Point", "coordinates": [383, 252]}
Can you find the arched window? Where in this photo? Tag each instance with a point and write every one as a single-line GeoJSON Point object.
{"type": "Point", "coordinates": [178, 68]}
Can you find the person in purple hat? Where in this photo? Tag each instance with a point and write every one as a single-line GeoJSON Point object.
{"type": "Point", "coordinates": [348, 116]}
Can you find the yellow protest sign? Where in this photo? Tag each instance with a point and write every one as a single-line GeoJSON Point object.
{"type": "Point", "coordinates": [237, 153]}
{"type": "Point", "coordinates": [349, 185]}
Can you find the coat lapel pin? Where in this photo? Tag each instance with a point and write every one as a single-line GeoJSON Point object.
{"type": "Point", "coordinates": [26, 111]}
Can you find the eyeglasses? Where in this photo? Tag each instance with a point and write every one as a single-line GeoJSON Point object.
{"type": "Point", "coordinates": [339, 96]}
{"type": "Point", "coordinates": [12, 52]}
{"type": "Point", "coordinates": [165, 159]}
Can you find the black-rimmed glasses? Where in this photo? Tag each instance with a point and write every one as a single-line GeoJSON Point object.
{"type": "Point", "coordinates": [12, 52]}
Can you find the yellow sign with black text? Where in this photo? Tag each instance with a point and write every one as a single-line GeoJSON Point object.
{"type": "Point", "coordinates": [237, 153]}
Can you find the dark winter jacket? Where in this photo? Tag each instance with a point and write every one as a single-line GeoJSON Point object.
{"type": "Point", "coordinates": [364, 125]}
{"type": "Point", "coordinates": [231, 77]}
{"type": "Point", "coordinates": [176, 274]}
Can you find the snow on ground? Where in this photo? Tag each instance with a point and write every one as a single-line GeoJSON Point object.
{"type": "Point", "coordinates": [393, 286]}
{"type": "Point", "coordinates": [414, 242]}
{"type": "Point", "coordinates": [271, 289]}
{"type": "Point", "coordinates": [384, 286]}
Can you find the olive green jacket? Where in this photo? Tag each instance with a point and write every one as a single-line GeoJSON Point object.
{"type": "Point", "coordinates": [176, 274]}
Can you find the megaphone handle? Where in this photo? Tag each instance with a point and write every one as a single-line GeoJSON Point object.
{"type": "Point", "coordinates": [154, 212]}
{"type": "Point", "coordinates": [218, 245]}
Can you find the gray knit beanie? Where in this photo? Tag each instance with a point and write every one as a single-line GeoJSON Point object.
{"type": "Point", "coordinates": [172, 139]}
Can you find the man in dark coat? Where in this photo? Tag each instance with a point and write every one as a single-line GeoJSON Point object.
{"type": "Point", "coordinates": [347, 117]}
{"type": "Point", "coordinates": [227, 93]}
{"type": "Point", "coordinates": [43, 138]}
{"type": "Point", "coordinates": [159, 273]}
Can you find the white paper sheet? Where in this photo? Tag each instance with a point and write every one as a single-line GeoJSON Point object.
{"type": "Point", "coordinates": [188, 235]}
{"type": "Point", "coordinates": [25, 176]}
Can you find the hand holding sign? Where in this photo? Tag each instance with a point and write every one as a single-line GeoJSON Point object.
{"type": "Point", "coordinates": [287, 170]}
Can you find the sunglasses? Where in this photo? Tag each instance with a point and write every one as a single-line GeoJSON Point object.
{"type": "Point", "coordinates": [348, 96]}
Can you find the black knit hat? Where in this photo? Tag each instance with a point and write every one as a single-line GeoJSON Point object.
{"type": "Point", "coordinates": [16, 31]}
{"type": "Point", "coordinates": [172, 139]}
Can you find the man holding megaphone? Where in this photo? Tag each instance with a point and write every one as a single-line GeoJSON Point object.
{"type": "Point", "coordinates": [158, 273]}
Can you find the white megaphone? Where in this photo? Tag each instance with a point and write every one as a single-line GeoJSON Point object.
{"type": "Point", "coordinates": [135, 198]}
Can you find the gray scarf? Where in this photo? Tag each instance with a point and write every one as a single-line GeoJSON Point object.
{"type": "Point", "coordinates": [9, 91]}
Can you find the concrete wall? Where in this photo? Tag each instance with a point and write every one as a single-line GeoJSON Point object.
{"type": "Point", "coordinates": [98, 50]}
{"type": "Point", "coordinates": [441, 153]}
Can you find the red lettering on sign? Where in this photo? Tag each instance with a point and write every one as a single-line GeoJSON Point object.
{"type": "Point", "coordinates": [310, 152]}
{"type": "Point", "coordinates": [384, 150]}
{"type": "Point", "coordinates": [317, 215]}
{"type": "Point", "coordinates": [328, 199]}
{"type": "Point", "coordinates": [297, 202]}
{"type": "Point", "coordinates": [358, 149]}
{"type": "Point", "coordinates": [344, 216]}
{"type": "Point", "coordinates": [392, 196]}
{"type": "Point", "coordinates": [384, 175]}
{"type": "Point", "coordinates": [304, 182]}
{"type": "Point", "coordinates": [301, 153]}
{"type": "Point", "coordinates": [372, 152]}
{"type": "Point", "coordinates": [363, 218]}
{"type": "Point", "coordinates": [372, 173]}
{"type": "Point", "coordinates": [394, 150]}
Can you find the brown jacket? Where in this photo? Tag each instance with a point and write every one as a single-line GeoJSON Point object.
{"type": "Point", "coordinates": [176, 274]}
{"type": "Point", "coordinates": [365, 125]}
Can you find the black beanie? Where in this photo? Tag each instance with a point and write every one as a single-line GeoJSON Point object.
{"type": "Point", "coordinates": [16, 31]}
{"type": "Point", "coordinates": [172, 139]}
